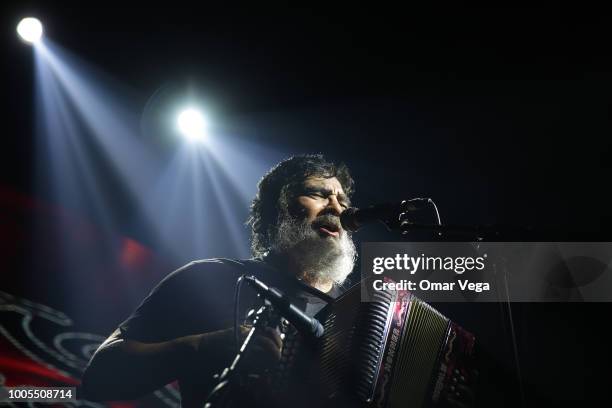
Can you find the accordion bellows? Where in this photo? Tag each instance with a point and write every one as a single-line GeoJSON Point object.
{"type": "Point", "coordinates": [393, 351]}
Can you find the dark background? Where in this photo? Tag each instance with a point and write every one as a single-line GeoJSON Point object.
{"type": "Point", "coordinates": [500, 114]}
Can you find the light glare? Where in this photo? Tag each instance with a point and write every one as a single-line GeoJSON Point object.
{"type": "Point", "coordinates": [192, 124]}
{"type": "Point", "coordinates": [30, 29]}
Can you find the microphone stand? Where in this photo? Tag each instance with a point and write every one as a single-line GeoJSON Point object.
{"type": "Point", "coordinates": [475, 232]}
{"type": "Point", "coordinates": [229, 379]}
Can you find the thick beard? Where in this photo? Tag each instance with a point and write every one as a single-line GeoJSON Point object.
{"type": "Point", "coordinates": [322, 260]}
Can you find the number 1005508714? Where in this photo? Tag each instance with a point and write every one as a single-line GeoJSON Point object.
{"type": "Point", "coordinates": [37, 394]}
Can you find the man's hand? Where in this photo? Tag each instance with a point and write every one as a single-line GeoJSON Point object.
{"type": "Point", "coordinates": [209, 353]}
{"type": "Point", "coordinates": [218, 348]}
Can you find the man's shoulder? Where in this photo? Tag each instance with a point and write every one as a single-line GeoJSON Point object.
{"type": "Point", "coordinates": [214, 269]}
{"type": "Point", "coordinates": [214, 263]}
{"type": "Point", "coordinates": [227, 264]}
{"type": "Point", "coordinates": [210, 266]}
{"type": "Point", "coordinates": [194, 298]}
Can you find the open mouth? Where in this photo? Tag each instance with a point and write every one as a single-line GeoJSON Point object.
{"type": "Point", "coordinates": [328, 229]}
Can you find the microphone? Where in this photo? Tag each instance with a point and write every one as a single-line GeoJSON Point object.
{"type": "Point", "coordinates": [297, 317]}
{"type": "Point", "coordinates": [388, 213]}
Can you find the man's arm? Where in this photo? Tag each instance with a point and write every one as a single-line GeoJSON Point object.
{"type": "Point", "coordinates": [126, 369]}
{"type": "Point", "coordinates": [123, 369]}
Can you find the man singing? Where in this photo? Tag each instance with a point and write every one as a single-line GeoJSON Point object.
{"type": "Point", "coordinates": [182, 330]}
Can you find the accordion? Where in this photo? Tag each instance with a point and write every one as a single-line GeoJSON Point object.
{"type": "Point", "coordinates": [393, 351]}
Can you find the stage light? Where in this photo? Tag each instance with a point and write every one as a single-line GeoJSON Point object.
{"type": "Point", "coordinates": [192, 124]}
{"type": "Point", "coordinates": [30, 30]}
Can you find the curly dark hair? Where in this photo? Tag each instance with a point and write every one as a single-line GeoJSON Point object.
{"type": "Point", "coordinates": [277, 189]}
